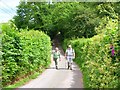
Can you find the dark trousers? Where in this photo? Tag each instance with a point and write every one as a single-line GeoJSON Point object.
{"type": "Point", "coordinates": [56, 62]}
{"type": "Point", "coordinates": [69, 65]}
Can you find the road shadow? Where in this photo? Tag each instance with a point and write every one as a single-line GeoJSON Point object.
{"type": "Point", "coordinates": [77, 77]}
{"type": "Point", "coordinates": [62, 69]}
{"type": "Point", "coordinates": [57, 69]}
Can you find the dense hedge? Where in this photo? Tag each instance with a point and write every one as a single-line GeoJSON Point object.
{"type": "Point", "coordinates": [93, 55]}
{"type": "Point", "coordinates": [0, 55]}
{"type": "Point", "coordinates": [23, 53]}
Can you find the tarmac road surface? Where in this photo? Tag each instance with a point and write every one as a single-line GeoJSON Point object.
{"type": "Point", "coordinates": [61, 78]}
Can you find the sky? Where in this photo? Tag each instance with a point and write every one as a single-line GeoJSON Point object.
{"type": "Point", "coordinates": [8, 9]}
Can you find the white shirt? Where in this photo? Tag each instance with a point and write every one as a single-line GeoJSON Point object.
{"type": "Point", "coordinates": [69, 52]}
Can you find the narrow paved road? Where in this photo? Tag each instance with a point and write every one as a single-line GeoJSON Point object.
{"type": "Point", "coordinates": [61, 78]}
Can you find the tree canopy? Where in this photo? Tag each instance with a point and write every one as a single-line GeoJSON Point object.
{"type": "Point", "coordinates": [72, 20]}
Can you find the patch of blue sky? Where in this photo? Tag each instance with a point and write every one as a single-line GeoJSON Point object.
{"type": "Point", "coordinates": [8, 9]}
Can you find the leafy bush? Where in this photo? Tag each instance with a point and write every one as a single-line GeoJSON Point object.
{"type": "Point", "coordinates": [23, 53]}
{"type": "Point", "coordinates": [93, 55]}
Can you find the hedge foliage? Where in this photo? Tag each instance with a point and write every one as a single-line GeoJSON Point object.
{"type": "Point", "coordinates": [23, 53]}
{"type": "Point", "coordinates": [0, 55]}
{"type": "Point", "coordinates": [93, 55]}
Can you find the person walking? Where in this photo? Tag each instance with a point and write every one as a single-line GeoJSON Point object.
{"type": "Point", "coordinates": [69, 55]}
{"type": "Point", "coordinates": [56, 56]}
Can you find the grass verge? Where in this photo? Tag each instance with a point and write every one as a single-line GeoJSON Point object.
{"type": "Point", "coordinates": [23, 81]}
